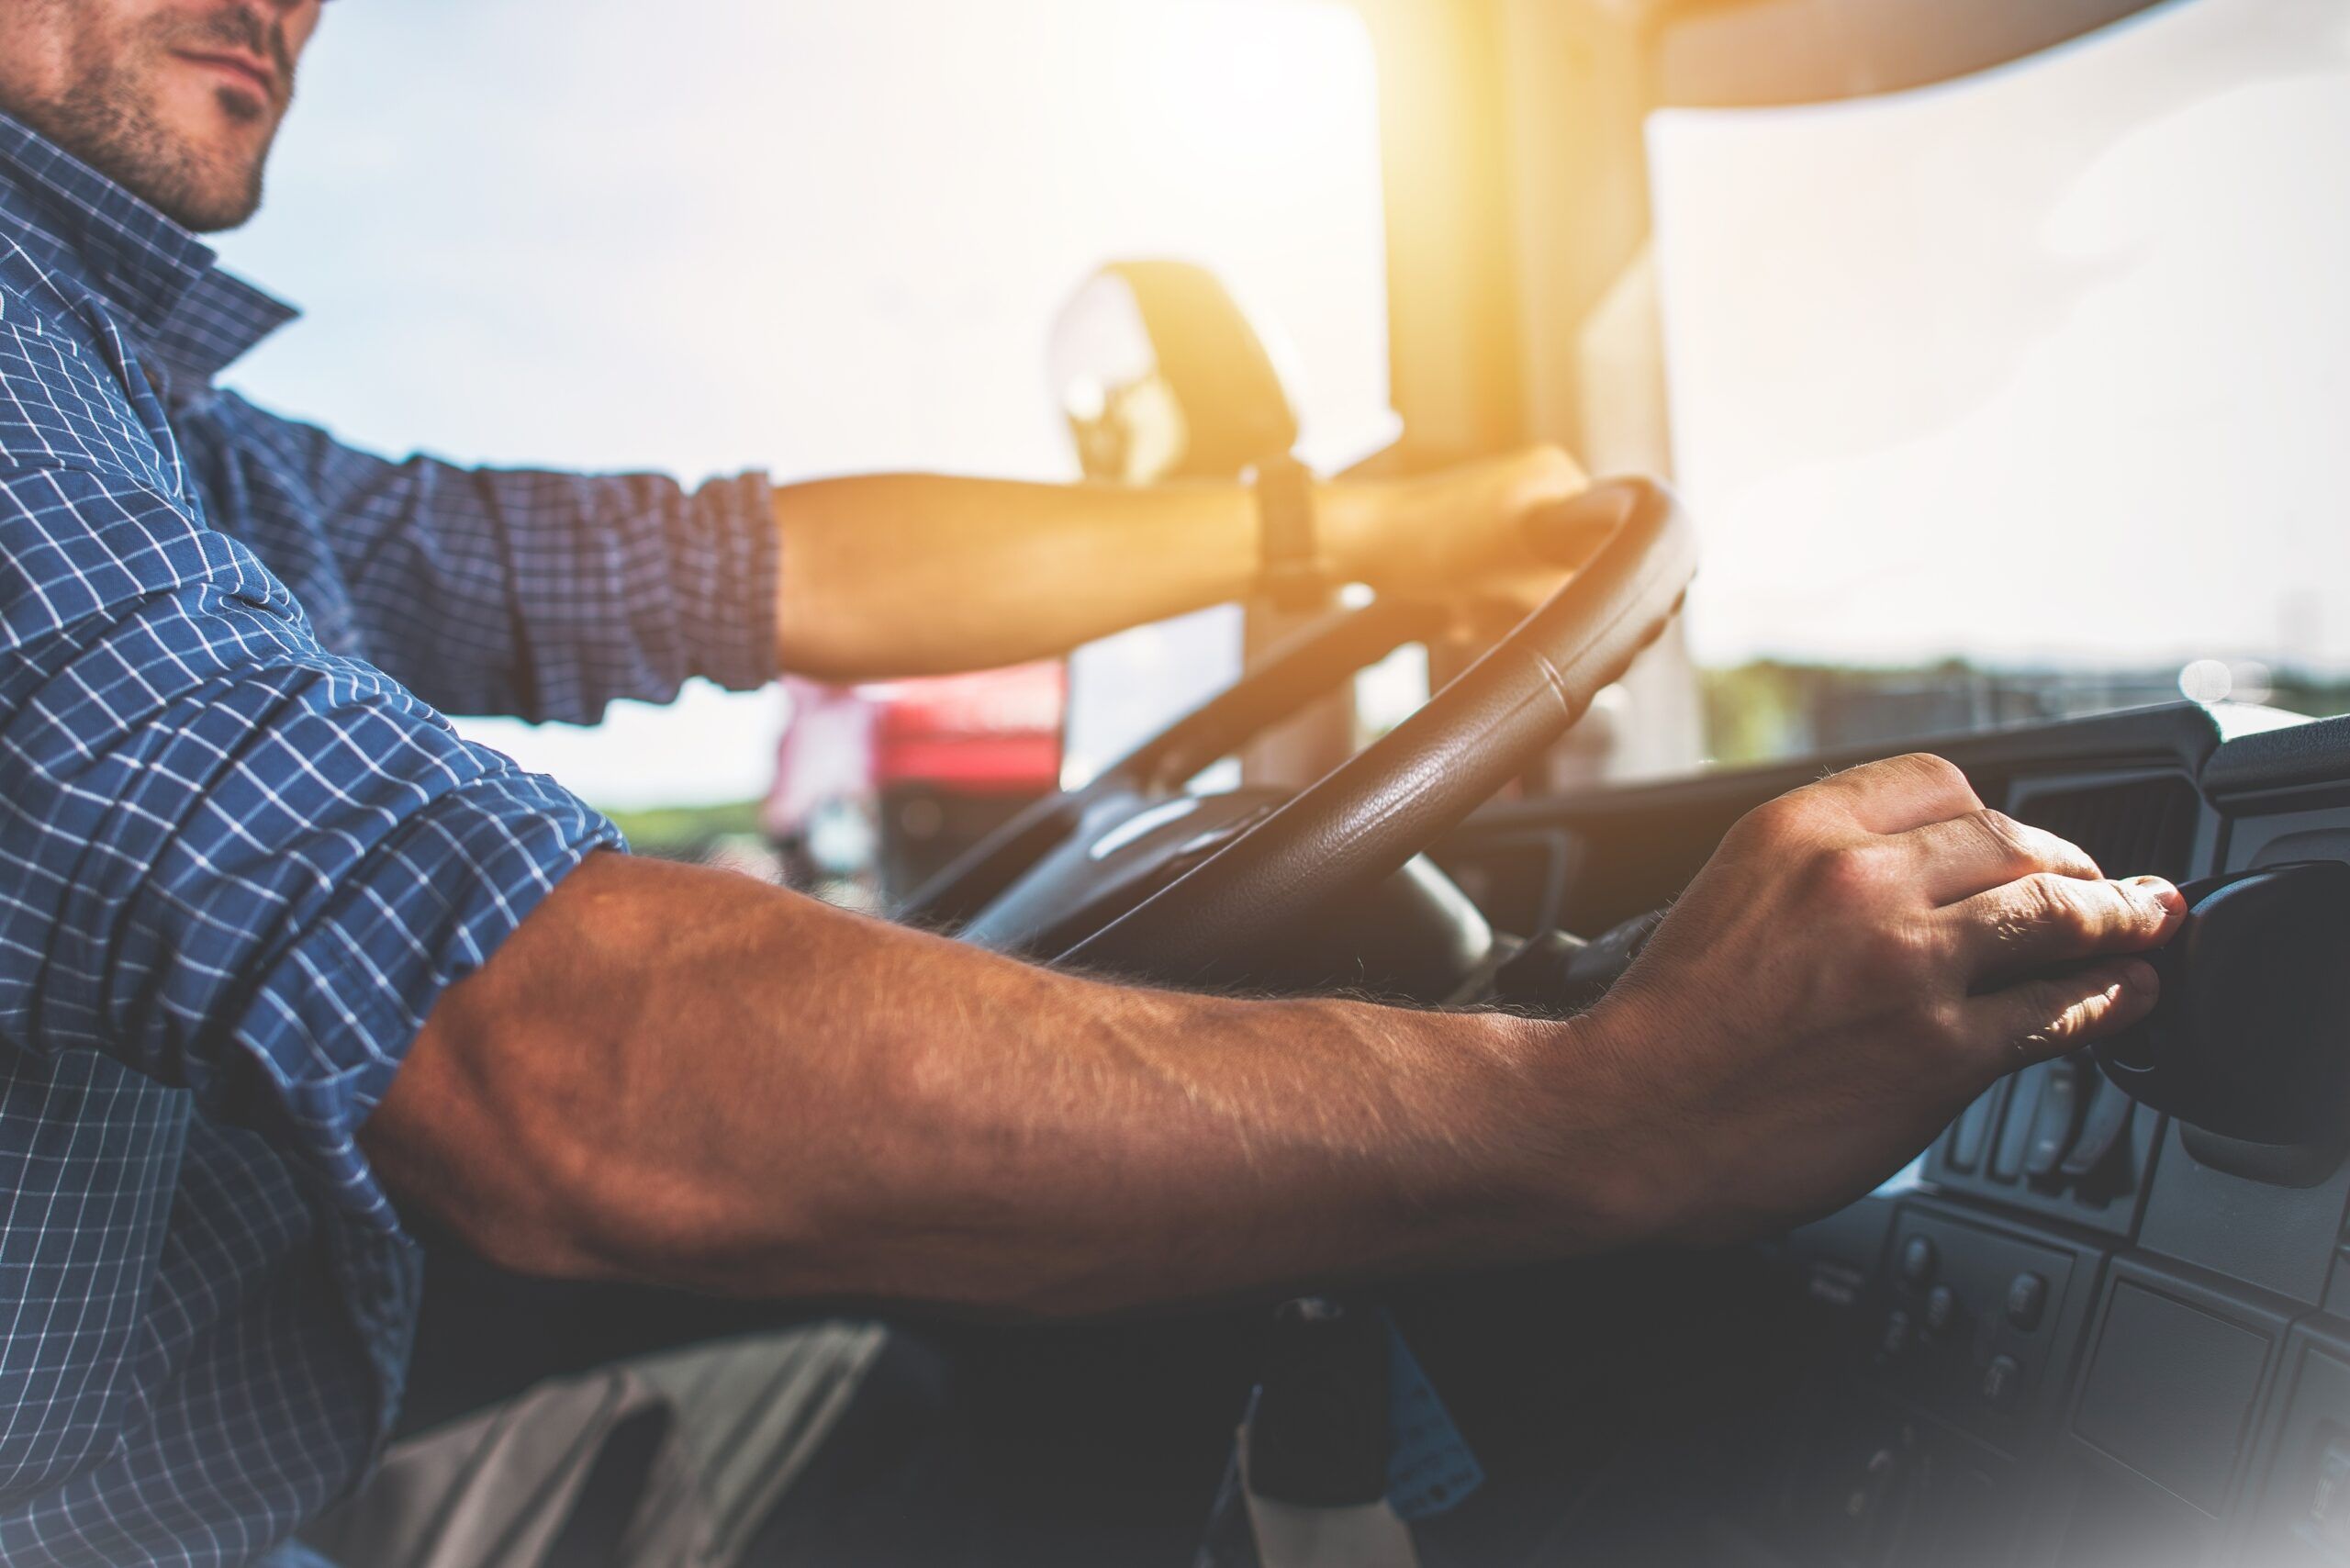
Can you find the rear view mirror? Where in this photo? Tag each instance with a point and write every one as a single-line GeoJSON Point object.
{"type": "Point", "coordinates": [1161, 376]}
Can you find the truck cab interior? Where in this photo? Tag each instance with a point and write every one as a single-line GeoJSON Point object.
{"type": "Point", "coordinates": [1746, 255]}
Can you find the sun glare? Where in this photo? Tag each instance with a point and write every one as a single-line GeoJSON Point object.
{"type": "Point", "coordinates": [836, 244]}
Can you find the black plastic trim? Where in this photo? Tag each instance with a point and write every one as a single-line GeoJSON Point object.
{"type": "Point", "coordinates": [2315, 753]}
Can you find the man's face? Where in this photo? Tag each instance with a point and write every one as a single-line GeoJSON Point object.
{"type": "Point", "coordinates": [176, 99]}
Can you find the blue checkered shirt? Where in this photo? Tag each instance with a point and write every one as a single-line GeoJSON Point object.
{"type": "Point", "coordinates": [241, 853]}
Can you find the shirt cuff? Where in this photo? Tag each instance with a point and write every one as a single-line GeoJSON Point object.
{"type": "Point", "coordinates": [333, 1019]}
{"type": "Point", "coordinates": [729, 553]}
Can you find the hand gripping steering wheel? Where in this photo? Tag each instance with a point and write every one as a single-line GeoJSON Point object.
{"type": "Point", "coordinates": [1130, 876]}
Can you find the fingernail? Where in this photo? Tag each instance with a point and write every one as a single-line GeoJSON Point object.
{"type": "Point", "coordinates": [2156, 891]}
{"type": "Point", "coordinates": [2139, 976]}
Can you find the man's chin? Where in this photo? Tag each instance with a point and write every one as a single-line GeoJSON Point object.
{"type": "Point", "coordinates": [204, 190]}
{"type": "Point", "coordinates": [204, 198]}
{"type": "Point", "coordinates": [216, 216]}
{"type": "Point", "coordinates": [205, 168]}
{"type": "Point", "coordinates": [180, 144]}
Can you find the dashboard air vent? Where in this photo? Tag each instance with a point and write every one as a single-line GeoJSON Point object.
{"type": "Point", "coordinates": [2140, 827]}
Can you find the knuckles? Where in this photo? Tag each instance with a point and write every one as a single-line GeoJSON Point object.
{"type": "Point", "coordinates": [1776, 822]}
{"type": "Point", "coordinates": [2064, 1029]}
{"type": "Point", "coordinates": [1873, 881]}
{"type": "Point", "coordinates": [2043, 902]}
{"type": "Point", "coordinates": [1847, 876]}
{"type": "Point", "coordinates": [1944, 1024]}
{"type": "Point", "coordinates": [2049, 910]}
{"type": "Point", "coordinates": [2007, 838]}
{"type": "Point", "coordinates": [1827, 804]}
{"type": "Point", "coordinates": [1900, 956]}
{"type": "Point", "coordinates": [2077, 908]}
{"type": "Point", "coordinates": [1939, 773]}
{"type": "Point", "coordinates": [2067, 1025]}
{"type": "Point", "coordinates": [1918, 773]}
{"type": "Point", "coordinates": [2029, 847]}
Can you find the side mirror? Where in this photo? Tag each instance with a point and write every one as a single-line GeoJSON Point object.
{"type": "Point", "coordinates": [1161, 376]}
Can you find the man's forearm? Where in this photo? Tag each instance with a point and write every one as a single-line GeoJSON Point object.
{"type": "Point", "coordinates": [913, 573]}
{"type": "Point", "coordinates": [676, 1074]}
{"type": "Point", "coordinates": [682, 1075]}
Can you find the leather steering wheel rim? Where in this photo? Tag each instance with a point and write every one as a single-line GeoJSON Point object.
{"type": "Point", "coordinates": [1363, 821]}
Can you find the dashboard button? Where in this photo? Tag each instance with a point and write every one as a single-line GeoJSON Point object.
{"type": "Point", "coordinates": [2055, 1119]}
{"type": "Point", "coordinates": [2329, 1511]}
{"type": "Point", "coordinates": [1898, 1335]}
{"type": "Point", "coordinates": [2027, 1298]}
{"type": "Point", "coordinates": [2105, 1128]}
{"type": "Point", "coordinates": [2002, 1383]}
{"type": "Point", "coordinates": [1941, 1309]}
{"type": "Point", "coordinates": [1974, 1129]}
{"type": "Point", "coordinates": [2015, 1130]}
{"type": "Point", "coordinates": [1918, 1260]}
{"type": "Point", "coordinates": [1871, 1492]}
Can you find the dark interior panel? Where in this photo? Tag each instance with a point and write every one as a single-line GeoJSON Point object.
{"type": "Point", "coordinates": [2301, 1517]}
{"type": "Point", "coordinates": [2170, 1390]}
{"type": "Point", "coordinates": [2078, 1332]}
{"type": "Point", "coordinates": [2075, 1334]}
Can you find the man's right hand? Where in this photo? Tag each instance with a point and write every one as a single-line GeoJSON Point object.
{"type": "Point", "coordinates": [1859, 960]}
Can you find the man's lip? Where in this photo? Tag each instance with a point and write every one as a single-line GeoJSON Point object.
{"type": "Point", "coordinates": [244, 65]}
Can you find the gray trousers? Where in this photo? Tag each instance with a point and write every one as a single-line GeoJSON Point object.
{"type": "Point", "coordinates": [674, 1461]}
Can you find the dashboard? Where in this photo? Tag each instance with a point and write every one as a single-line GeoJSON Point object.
{"type": "Point", "coordinates": [2079, 1331]}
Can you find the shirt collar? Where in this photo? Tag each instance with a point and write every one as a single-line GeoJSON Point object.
{"type": "Point", "coordinates": [190, 315]}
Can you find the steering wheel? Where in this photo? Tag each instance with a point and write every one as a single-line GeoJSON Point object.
{"type": "Point", "coordinates": [1129, 875]}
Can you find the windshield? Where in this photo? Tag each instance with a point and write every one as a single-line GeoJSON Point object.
{"type": "Point", "coordinates": [2021, 395]}
{"type": "Point", "coordinates": [836, 244]}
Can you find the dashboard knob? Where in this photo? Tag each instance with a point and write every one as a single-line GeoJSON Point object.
{"type": "Point", "coordinates": [2251, 1039]}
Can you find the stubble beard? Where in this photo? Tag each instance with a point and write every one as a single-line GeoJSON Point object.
{"type": "Point", "coordinates": [107, 118]}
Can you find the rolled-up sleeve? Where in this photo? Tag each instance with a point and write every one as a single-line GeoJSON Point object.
{"type": "Point", "coordinates": [231, 859]}
{"type": "Point", "coordinates": [515, 592]}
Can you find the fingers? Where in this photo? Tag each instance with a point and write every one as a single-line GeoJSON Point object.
{"type": "Point", "coordinates": [1985, 849]}
{"type": "Point", "coordinates": [1899, 793]}
{"type": "Point", "coordinates": [2048, 918]}
{"type": "Point", "coordinates": [1566, 533]}
{"type": "Point", "coordinates": [2041, 1018]}
{"type": "Point", "coordinates": [1546, 473]}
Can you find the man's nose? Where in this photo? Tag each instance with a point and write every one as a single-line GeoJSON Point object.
{"type": "Point", "coordinates": [286, 23]}
{"type": "Point", "coordinates": [277, 13]}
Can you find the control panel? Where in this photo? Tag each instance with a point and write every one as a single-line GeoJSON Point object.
{"type": "Point", "coordinates": [2058, 1138]}
{"type": "Point", "coordinates": [2105, 1323]}
{"type": "Point", "coordinates": [1972, 1323]}
{"type": "Point", "coordinates": [2107, 1327]}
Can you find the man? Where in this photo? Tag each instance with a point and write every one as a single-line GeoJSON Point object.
{"type": "Point", "coordinates": [282, 959]}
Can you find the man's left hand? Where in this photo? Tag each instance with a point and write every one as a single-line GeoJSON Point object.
{"type": "Point", "coordinates": [1459, 533]}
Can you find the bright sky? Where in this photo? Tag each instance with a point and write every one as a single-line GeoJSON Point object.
{"type": "Point", "coordinates": [2054, 363]}
{"type": "Point", "coordinates": [809, 236]}
{"type": "Point", "coordinates": [2050, 364]}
